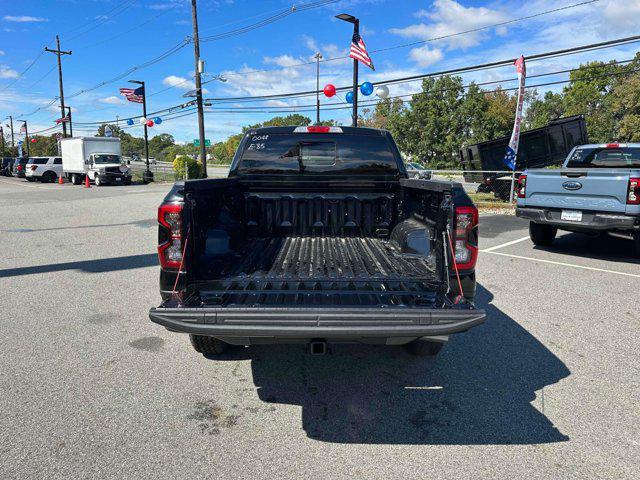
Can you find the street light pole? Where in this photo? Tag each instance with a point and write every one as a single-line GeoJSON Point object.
{"type": "Point", "coordinates": [11, 123]}
{"type": "Point", "coordinates": [2, 135]}
{"type": "Point", "coordinates": [147, 176]}
{"type": "Point", "coordinates": [26, 135]}
{"type": "Point", "coordinates": [318, 56]}
{"type": "Point", "coordinates": [198, 71]}
{"type": "Point", "coordinates": [356, 31]}
{"type": "Point", "coordinates": [70, 123]}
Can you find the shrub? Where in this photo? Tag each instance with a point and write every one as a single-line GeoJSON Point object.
{"type": "Point", "coordinates": [195, 167]}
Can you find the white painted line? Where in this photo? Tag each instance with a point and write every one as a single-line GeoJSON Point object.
{"type": "Point", "coordinates": [435, 387]}
{"type": "Point", "coordinates": [26, 184]}
{"type": "Point", "coordinates": [512, 242]}
{"type": "Point", "coordinates": [565, 264]}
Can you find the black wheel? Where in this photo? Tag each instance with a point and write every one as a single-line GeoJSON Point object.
{"type": "Point", "coordinates": [75, 179]}
{"type": "Point", "coordinates": [97, 181]}
{"type": "Point", "coordinates": [208, 346]}
{"type": "Point", "coordinates": [484, 188]}
{"type": "Point", "coordinates": [49, 177]}
{"type": "Point", "coordinates": [30, 179]}
{"type": "Point", "coordinates": [636, 242]}
{"type": "Point", "coordinates": [542, 235]}
{"type": "Point", "coordinates": [423, 348]}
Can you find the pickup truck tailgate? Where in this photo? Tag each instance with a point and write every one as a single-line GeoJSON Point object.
{"type": "Point", "coordinates": [594, 189]}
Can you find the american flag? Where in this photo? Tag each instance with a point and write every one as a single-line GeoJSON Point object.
{"type": "Point", "coordinates": [358, 51]}
{"type": "Point", "coordinates": [62, 120]}
{"type": "Point", "coordinates": [23, 128]}
{"type": "Point", "coordinates": [133, 95]}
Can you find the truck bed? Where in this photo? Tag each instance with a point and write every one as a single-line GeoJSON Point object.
{"type": "Point", "coordinates": [319, 271]}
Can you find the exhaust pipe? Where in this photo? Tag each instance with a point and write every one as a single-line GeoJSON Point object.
{"type": "Point", "coordinates": [318, 347]}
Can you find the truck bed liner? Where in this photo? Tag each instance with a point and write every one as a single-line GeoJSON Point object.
{"type": "Point", "coordinates": [322, 271]}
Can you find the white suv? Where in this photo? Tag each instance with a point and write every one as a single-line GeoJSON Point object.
{"type": "Point", "coordinates": [46, 169]}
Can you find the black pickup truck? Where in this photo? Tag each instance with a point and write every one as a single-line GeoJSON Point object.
{"type": "Point", "coordinates": [317, 236]}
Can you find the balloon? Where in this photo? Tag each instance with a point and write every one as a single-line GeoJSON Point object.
{"type": "Point", "coordinates": [382, 91]}
{"type": "Point", "coordinates": [130, 121]}
{"type": "Point", "coordinates": [329, 90]}
{"type": "Point", "coordinates": [150, 123]}
{"type": "Point", "coordinates": [143, 121]}
{"type": "Point", "coordinates": [349, 97]}
{"type": "Point", "coordinates": [33, 140]}
{"type": "Point", "coordinates": [366, 88]}
{"type": "Point", "coordinates": [158, 120]}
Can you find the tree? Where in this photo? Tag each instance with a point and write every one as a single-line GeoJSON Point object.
{"type": "Point", "coordinates": [44, 146]}
{"type": "Point", "coordinates": [543, 110]}
{"type": "Point", "coordinates": [158, 143]}
{"type": "Point", "coordinates": [382, 114]}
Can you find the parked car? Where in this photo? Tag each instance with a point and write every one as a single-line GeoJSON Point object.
{"type": "Point", "coordinates": [310, 241]}
{"type": "Point", "coordinates": [7, 165]}
{"type": "Point", "coordinates": [19, 167]}
{"type": "Point", "coordinates": [416, 170]}
{"type": "Point", "coordinates": [45, 169]}
{"type": "Point", "coordinates": [597, 190]}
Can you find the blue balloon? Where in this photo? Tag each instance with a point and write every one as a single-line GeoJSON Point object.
{"type": "Point", "coordinates": [130, 122]}
{"type": "Point", "coordinates": [349, 97]}
{"type": "Point", "coordinates": [366, 88]}
{"type": "Point", "coordinates": [157, 120]}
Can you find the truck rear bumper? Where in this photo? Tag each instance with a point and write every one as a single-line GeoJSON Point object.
{"type": "Point", "coordinates": [270, 325]}
{"type": "Point", "coordinates": [590, 221]}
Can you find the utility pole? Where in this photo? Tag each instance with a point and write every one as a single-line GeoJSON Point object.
{"type": "Point", "coordinates": [2, 135]}
{"type": "Point", "coordinates": [11, 123]}
{"type": "Point", "coordinates": [318, 56]}
{"type": "Point", "coordinates": [196, 53]}
{"type": "Point", "coordinates": [70, 123]}
{"type": "Point", "coordinates": [59, 53]}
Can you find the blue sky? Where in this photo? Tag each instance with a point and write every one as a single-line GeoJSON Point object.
{"type": "Point", "coordinates": [108, 37]}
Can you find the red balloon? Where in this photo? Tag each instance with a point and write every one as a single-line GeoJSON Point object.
{"type": "Point", "coordinates": [33, 140]}
{"type": "Point", "coordinates": [150, 123]}
{"type": "Point", "coordinates": [329, 90]}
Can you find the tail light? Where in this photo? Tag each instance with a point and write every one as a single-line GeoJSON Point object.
{"type": "Point", "coordinates": [170, 236]}
{"type": "Point", "coordinates": [33, 168]}
{"type": "Point", "coordinates": [522, 186]}
{"type": "Point", "coordinates": [317, 129]}
{"type": "Point", "coordinates": [633, 195]}
{"type": "Point", "coordinates": [19, 168]}
{"type": "Point", "coordinates": [466, 244]}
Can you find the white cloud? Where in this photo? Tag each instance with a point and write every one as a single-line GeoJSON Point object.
{"type": "Point", "coordinates": [112, 100]}
{"type": "Point", "coordinates": [283, 61]}
{"type": "Point", "coordinates": [179, 82]}
{"type": "Point", "coordinates": [6, 72]}
{"type": "Point", "coordinates": [448, 17]}
{"type": "Point", "coordinates": [425, 56]}
{"type": "Point", "coordinates": [1, 52]}
{"type": "Point", "coordinates": [24, 19]}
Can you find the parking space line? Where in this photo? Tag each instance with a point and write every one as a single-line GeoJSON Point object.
{"type": "Point", "coordinates": [502, 245]}
{"type": "Point", "coordinates": [563, 264]}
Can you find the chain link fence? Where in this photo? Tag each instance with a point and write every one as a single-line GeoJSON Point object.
{"type": "Point", "coordinates": [487, 188]}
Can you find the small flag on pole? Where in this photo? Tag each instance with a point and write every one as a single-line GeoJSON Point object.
{"type": "Point", "coordinates": [62, 120]}
{"type": "Point", "coordinates": [358, 51]}
{"type": "Point", "coordinates": [133, 95]}
{"type": "Point", "coordinates": [512, 149]}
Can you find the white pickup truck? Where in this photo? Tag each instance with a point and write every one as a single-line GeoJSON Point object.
{"type": "Point", "coordinates": [596, 190]}
{"type": "Point", "coordinates": [96, 158]}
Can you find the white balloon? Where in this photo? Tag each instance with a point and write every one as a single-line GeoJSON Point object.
{"type": "Point", "coordinates": [382, 91]}
{"type": "Point", "coordinates": [143, 121]}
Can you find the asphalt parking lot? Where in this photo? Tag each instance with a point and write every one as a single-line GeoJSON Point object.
{"type": "Point", "coordinates": [548, 387]}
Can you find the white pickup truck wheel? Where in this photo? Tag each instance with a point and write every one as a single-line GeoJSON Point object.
{"type": "Point", "coordinates": [98, 181]}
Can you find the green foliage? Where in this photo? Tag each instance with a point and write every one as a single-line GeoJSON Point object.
{"type": "Point", "coordinates": [223, 152]}
{"type": "Point", "coordinates": [44, 146]}
{"type": "Point", "coordinates": [194, 166]}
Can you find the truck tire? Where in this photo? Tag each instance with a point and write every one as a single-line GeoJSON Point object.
{"type": "Point", "coordinates": [423, 348]}
{"type": "Point", "coordinates": [636, 243]}
{"type": "Point", "coordinates": [542, 235]}
{"type": "Point", "coordinates": [30, 179]}
{"type": "Point", "coordinates": [97, 181]}
{"type": "Point", "coordinates": [75, 179]}
{"type": "Point", "coordinates": [208, 346]}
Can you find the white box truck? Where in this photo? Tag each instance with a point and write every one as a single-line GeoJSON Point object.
{"type": "Point", "coordinates": [98, 158]}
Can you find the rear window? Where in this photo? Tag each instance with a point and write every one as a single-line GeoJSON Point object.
{"type": "Point", "coordinates": [38, 161]}
{"type": "Point", "coordinates": [622, 157]}
{"type": "Point", "coordinates": [317, 154]}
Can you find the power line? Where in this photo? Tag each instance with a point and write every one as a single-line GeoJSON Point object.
{"type": "Point", "coordinates": [422, 42]}
{"type": "Point", "coordinates": [274, 18]}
